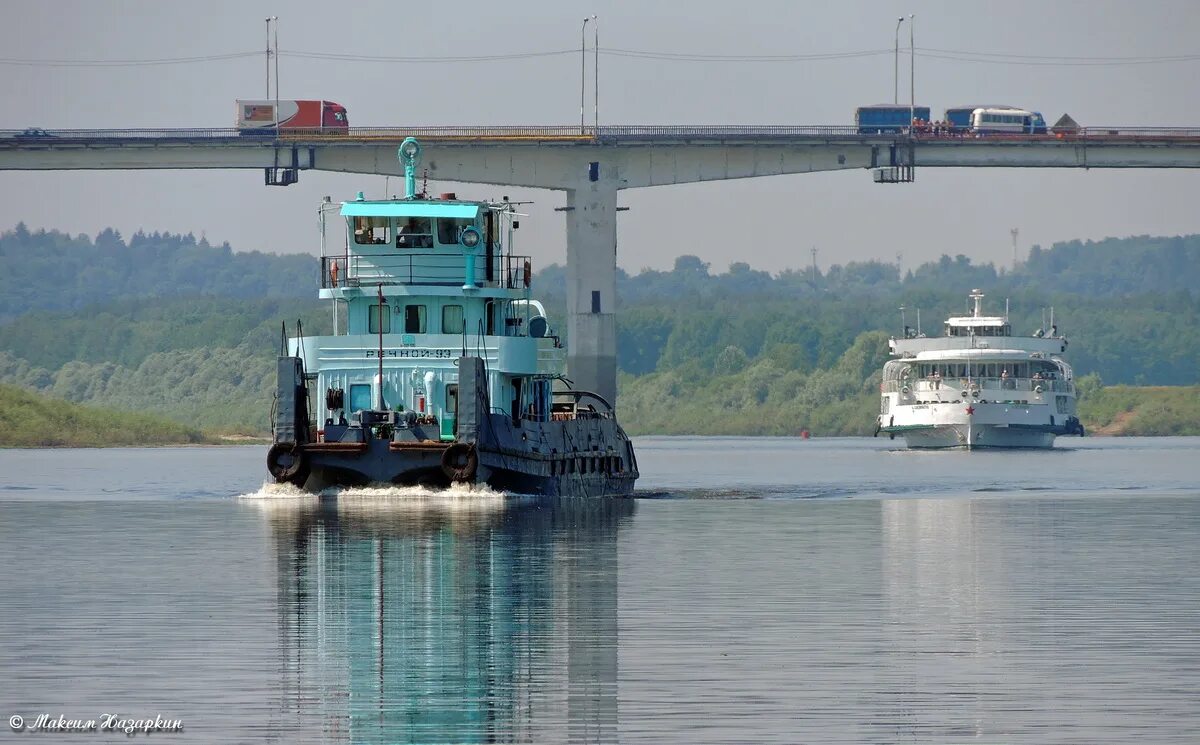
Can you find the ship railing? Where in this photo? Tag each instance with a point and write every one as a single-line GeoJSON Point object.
{"type": "Point", "coordinates": [422, 268]}
{"type": "Point", "coordinates": [572, 404]}
{"type": "Point", "coordinates": [991, 384]}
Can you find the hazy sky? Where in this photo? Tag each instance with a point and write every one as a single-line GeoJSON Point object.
{"type": "Point", "coordinates": [844, 214]}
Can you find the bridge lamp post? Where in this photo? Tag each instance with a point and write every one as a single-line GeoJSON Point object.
{"type": "Point", "coordinates": [896, 65]}
{"type": "Point", "coordinates": [596, 75]}
{"type": "Point", "coordinates": [269, 19]}
{"type": "Point", "coordinates": [912, 71]}
{"type": "Point", "coordinates": [276, 19]}
{"type": "Point", "coordinates": [583, 69]}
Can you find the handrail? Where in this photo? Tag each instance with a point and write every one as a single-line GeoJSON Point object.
{"type": "Point", "coordinates": [612, 134]}
{"type": "Point", "coordinates": [433, 268]}
{"type": "Point", "coordinates": [955, 383]}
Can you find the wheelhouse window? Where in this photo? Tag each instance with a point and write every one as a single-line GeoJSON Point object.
{"type": "Point", "coordinates": [414, 232]}
{"type": "Point", "coordinates": [452, 319]}
{"type": "Point", "coordinates": [378, 313]}
{"type": "Point", "coordinates": [371, 231]}
{"type": "Point", "coordinates": [448, 229]}
{"type": "Point", "coordinates": [414, 319]}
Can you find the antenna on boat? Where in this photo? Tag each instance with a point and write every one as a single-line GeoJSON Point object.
{"type": "Point", "coordinates": [1006, 310]}
{"type": "Point", "coordinates": [380, 306]}
{"type": "Point", "coordinates": [977, 296]}
{"type": "Point", "coordinates": [918, 321]}
{"type": "Point", "coordinates": [903, 323]}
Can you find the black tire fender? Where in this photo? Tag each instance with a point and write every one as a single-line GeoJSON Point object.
{"type": "Point", "coordinates": [460, 462]}
{"type": "Point", "coordinates": [285, 461]}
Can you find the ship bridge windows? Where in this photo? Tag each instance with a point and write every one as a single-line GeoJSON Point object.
{"type": "Point", "coordinates": [452, 319]}
{"type": "Point", "coordinates": [376, 314]}
{"type": "Point", "coordinates": [372, 231]}
{"type": "Point", "coordinates": [979, 330]}
{"type": "Point", "coordinates": [448, 229]}
{"type": "Point", "coordinates": [414, 232]}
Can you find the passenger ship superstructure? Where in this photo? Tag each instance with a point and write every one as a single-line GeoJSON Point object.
{"type": "Point", "coordinates": [446, 371]}
{"type": "Point", "coordinates": [978, 386]}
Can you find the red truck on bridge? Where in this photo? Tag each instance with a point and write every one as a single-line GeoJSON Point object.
{"type": "Point", "coordinates": [314, 117]}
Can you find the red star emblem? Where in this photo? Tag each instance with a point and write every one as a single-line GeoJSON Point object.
{"type": "Point", "coordinates": [970, 409]}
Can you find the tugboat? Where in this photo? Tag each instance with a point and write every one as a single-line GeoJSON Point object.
{"type": "Point", "coordinates": [978, 386]}
{"type": "Point", "coordinates": [447, 371]}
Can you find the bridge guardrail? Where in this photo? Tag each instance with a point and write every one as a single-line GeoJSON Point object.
{"type": "Point", "coordinates": [567, 133]}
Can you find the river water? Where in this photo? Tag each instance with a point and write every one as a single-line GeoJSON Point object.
{"type": "Point", "coordinates": [758, 590]}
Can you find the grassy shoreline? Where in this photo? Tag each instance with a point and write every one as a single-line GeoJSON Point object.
{"type": "Point", "coordinates": [1141, 411]}
{"type": "Point", "coordinates": [30, 420]}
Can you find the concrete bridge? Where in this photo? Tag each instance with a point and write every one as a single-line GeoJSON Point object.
{"type": "Point", "coordinates": [592, 166]}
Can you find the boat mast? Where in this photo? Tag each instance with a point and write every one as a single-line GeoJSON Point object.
{"type": "Point", "coordinates": [380, 286]}
{"type": "Point", "coordinates": [977, 296]}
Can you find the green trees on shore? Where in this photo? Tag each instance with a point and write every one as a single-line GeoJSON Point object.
{"type": "Point", "coordinates": [30, 420]}
{"type": "Point", "coordinates": [170, 325]}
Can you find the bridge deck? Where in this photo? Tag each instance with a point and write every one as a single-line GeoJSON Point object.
{"type": "Point", "coordinates": [607, 135]}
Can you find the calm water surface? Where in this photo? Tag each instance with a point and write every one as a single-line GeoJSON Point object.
{"type": "Point", "coordinates": [759, 590]}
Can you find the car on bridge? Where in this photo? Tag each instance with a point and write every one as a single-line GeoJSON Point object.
{"type": "Point", "coordinates": [33, 133]}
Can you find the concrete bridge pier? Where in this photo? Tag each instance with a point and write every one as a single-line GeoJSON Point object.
{"type": "Point", "coordinates": [592, 285]}
{"type": "Point", "coordinates": [592, 170]}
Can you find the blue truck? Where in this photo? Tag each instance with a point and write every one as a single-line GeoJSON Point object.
{"type": "Point", "coordinates": [887, 118]}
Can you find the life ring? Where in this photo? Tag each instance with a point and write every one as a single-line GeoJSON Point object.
{"type": "Point", "coordinates": [287, 463]}
{"type": "Point", "coordinates": [528, 273]}
{"type": "Point", "coordinates": [1037, 389]}
{"type": "Point", "coordinates": [460, 462]}
{"type": "Point", "coordinates": [906, 390]}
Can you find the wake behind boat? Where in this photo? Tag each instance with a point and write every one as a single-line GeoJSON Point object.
{"type": "Point", "coordinates": [447, 372]}
{"type": "Point", "coordinates": [978, 386]}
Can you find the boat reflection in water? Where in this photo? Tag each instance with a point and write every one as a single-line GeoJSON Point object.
{"type": "Point", "coordinates": [453, 619]}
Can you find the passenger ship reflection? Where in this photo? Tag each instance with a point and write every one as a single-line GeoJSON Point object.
{"type": "Point", "coordinates": [458, 621]}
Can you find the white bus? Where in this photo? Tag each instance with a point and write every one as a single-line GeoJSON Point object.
{"type": "Point", "coordinates": [1009, 121]}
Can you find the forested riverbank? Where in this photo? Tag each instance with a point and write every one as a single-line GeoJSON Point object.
{"type": "Point", "coordinates": [169, 325]}
{"type": "Point", "coordinates": [30, 420]}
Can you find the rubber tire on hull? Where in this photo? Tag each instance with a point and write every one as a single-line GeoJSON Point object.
{"type": "Point", "coordinates": [460, 462]}
{"type": "Point", "coordinates": [287, 464]}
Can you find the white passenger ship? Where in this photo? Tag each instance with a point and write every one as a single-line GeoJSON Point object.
{"type": "Point", "coordinates": [978, 386]}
